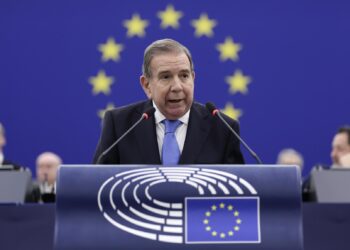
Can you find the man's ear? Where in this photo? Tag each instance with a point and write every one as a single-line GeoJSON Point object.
{"type": "Point", "coordinates": [145, 86]}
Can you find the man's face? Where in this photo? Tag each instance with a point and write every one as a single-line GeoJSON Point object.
{"type": "Point", "coordinates": [46, 169]}
{"type": "Point", "coordinates": [171, 84]}
{"type": "Point", "coordinates": [340, 147]}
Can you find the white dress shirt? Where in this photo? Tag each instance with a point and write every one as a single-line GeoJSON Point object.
{"type": "Point", "coordinates": [180, 132]}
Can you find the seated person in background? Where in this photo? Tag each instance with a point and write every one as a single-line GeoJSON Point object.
{"type": "Point", "coordinates": [290, 156]}
{"type": "Point", "coordinates": [340, 156]}
{"type": "Point", "coordinates": [46, 171]}
{"type": "Point", "coordinates": [340, 153]}
{"type": "Point", "coordinates": [32, 193]}
{"type": "Point", "coordinates": [3, 160]}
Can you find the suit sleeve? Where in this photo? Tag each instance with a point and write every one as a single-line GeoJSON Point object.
{"type": "Point", "coordinates": [107, 138]}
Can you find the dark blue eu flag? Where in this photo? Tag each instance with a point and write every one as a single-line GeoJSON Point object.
{"type": "Point", "coordinates": [222, 220]}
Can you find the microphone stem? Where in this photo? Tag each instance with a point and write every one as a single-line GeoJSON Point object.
{"type": "Point", "coordinates": [120, 138]}
{"type": "Point", "coordinates": [256, 157]}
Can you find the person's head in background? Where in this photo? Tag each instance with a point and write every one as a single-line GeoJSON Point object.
{"type": "Point", "coordinates": [290, 156]}
{"type": "Point", "coordinates": [2, 138]}
{"type": "Point", "coordinates": [46, 167]}
{"type": "Point", "coordinates": [341, 147]}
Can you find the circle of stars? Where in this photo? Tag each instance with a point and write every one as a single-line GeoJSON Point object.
{"type": "Point", "coordinates": [224, 208]}
{"type": "Point", "coordinates": [170, 18]}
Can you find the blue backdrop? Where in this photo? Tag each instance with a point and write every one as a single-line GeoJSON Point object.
{"type": "Point", "coordinates": [287, 63]}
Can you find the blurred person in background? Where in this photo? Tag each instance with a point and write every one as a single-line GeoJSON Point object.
{"type": "Point", "coordinates": [340, 153]}
{"type": "Point", "coordinates": [3, 160]}
{"type": "Point", "coordinates": [290, 156]}
{"type": "Point", "coordinates": [47, 165]}
{"type": "Point", "coordinates": [32, 192]}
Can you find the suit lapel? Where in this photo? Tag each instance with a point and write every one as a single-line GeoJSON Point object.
{"type": "Point", "coordinates": [197, 132]}
{"type": "Point", "coordinates": [147, 138]}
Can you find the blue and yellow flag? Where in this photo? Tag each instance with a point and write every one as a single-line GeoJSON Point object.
{"type": "Point", "coordinates": [222, 220]}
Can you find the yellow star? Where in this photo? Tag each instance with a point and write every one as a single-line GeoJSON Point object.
{"type": "Point", "coordinates": [222, 235]}
{"type": "Point", "coordinates": [101, 83]}
{"type": "Point", "coordinates": [208, 228]}
{"type": "Point", "coordinates": [236, 228]}
{"type": "Point", "coordinates": [213, 208]}
{"type": "Point", "coordinates": [101, 112]}
{"type": "Point", "coordinates": [230, 207]}
{"type": "Point", "coordinates": [110, 50]}
{"type": "Point", "coordinates": [207, 214]}
{"type": "Point", "coordinates": [222, 205]}
{"type": "Point", "coordinates": [170, 17]}
{"type": "Point", "coordinates": [230, 233]}
{"type": "Point", "coordinates": [135, 26]}
{"type": "Point", "coordinates": [238, 221]}
{"type": "Point", "coordinates": [236, 213]}
{"type": "Point", "coordinates": [238, 82]}
{"type": "Point", "coordinates": [203, 26]}
{"type": "Point", "coordinates": [229, 49]}
{"type": "Point", "coordinates": [214, 233]}
{"type": "Point", "coordinates": [206, 221]}
{"type": "Point", "coordinates": [230, 111]}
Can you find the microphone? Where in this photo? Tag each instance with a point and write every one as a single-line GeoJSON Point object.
{"type": "Point", "coordinates": [215, 112]}
{"type": "Point", "coordinates": [146, 115]}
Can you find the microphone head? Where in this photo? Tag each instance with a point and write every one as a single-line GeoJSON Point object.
{"type": "Point", "coordinates": [211, 108]}
{"type": "Point", "coordinates": [148, 112]}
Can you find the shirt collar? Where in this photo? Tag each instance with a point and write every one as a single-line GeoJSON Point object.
{"type": "Point", "coordinates": [159, 117]}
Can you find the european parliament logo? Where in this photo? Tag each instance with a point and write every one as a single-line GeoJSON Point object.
{"type": "Point", "coordinates": [182, 205]}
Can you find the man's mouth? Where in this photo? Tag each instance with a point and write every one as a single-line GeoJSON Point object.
{"type": "Point", "coordinates": [175, 100]}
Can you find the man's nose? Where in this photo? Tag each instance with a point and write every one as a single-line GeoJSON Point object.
{"type": "Point", "coordinates": [176, 84]}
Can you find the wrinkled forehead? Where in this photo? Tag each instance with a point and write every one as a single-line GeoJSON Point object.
{"type": "Point", "coordinates": [170, 62]}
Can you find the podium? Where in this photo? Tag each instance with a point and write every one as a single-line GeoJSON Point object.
{"type": "Point", "coordinates": [181, 207]}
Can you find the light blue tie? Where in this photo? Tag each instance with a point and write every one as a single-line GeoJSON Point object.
{"type": "Point", "coordinates": [170, 150]}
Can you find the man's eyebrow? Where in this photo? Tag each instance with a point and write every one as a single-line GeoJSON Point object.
{"type": "Point", "coordinates": [164, 72]}
{"type": "Point", "coordinates": [169, 71]}
{"type": "Point", "coordinates": [185, 71]}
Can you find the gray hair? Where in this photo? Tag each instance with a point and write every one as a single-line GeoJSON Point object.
{"type": "Point", "coordinates": [51, 156]}
{"type": "Point", "coordinates": [161, 47]}
{"type": "Point", "coordinates": [290, 156]}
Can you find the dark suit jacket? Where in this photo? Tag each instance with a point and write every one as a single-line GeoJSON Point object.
{"type": "Point", "coordinates": [207, 141]}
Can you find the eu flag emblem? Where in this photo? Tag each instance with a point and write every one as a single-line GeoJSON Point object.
{"type": "Point", "coordinates": [222, 220]}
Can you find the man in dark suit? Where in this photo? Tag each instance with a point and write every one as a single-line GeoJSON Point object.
{"type": "Point", "coordinates": [168, 81]}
